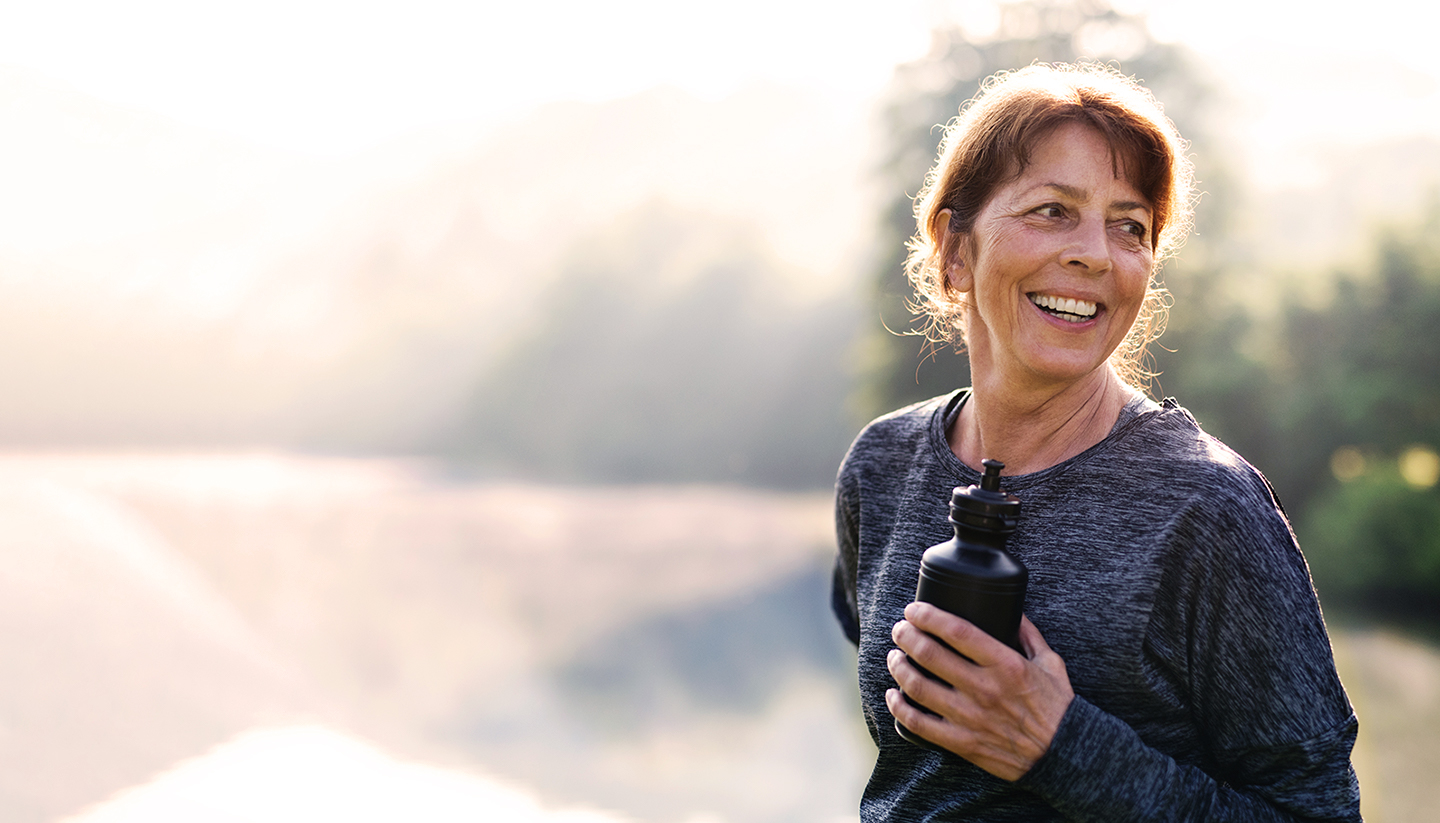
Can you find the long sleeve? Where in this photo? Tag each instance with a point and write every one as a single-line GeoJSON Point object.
{"type": "Point", "coordinates": [847, 538]}
{"type": "Point", "coordinates": [1098, 769]}
{"type": "Point", "coordinates": [1240, 634]}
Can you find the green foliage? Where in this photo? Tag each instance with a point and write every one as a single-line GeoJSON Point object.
{"type": "Point", "coordinates": [926, 94]}
{"type": "Point", "coordinates": [1362, 372]}
{"type": "Point", "coordinates": [1363, 369]}
{"type": "Point", "coordinates": [1374, 542]}
{"type": "Point", "coordinates": [671, 350]}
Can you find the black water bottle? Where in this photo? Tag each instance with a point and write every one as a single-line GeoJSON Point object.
{"type": "Point", "coordinates": [972, 575]}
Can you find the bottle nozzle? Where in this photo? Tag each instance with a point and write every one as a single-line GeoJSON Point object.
{"type": "Point", "coordinates": [990, 481]}
{"type": "Point", "coordinates": [985, 506]}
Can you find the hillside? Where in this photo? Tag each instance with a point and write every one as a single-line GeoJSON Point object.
{"type": "Point", "coordinates": [167, 286]}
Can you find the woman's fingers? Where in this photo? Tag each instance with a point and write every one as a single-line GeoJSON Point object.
{"type": "Point", "coordinates": [926, 651]}
{"type": "Point", "coordinates": [927, 691]}
{"type": "Point", "coordinates": [959, 634]}
{"type": "Point", "coordinates": [962, 655]}
{"type": "Point", "coordinates": [995, 708]}
{"type": "Point", "coordinates": [986, 751]}
{"type": "Point", "coordinates": [931, 727]}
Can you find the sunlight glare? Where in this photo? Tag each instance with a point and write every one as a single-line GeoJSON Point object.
{"type": "Point", "coordinates": [1347, 463]}
{"type": "Point", "coordinates": [309, 773]}
{"type": "Point", "coordinates": [1420, 466]}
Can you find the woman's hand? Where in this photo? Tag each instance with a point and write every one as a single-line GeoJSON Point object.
{"type": "Point", "coordinates": [999, 711]}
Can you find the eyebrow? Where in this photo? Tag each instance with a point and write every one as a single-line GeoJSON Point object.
{"type": "Point", "coordinates": [1080, 194]}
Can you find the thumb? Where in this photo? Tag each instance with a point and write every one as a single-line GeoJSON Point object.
{"type": "Point", "coordinates": [1031, 639]}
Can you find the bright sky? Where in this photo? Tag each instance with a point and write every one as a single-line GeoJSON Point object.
{"type": "Point", "coordinates": [330, 78]}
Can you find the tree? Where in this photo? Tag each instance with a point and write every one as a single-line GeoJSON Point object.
{"type": "Point", "coordinates": [1362, 370]}
{"type": "Point", "coordinates": [1373, 542]}
{"type": "Point", "coordinates": [670, 350]}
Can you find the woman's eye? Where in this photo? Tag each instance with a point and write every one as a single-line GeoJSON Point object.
{"type": "Point", "coordinates": [1050, 210]}
{"type": "Point", "coordinates": [1134, 228]}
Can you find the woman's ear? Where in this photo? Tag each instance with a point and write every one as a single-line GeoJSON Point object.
{"type": "Point", "coordinates": [958, 275]}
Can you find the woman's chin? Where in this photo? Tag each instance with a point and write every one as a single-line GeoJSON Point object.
{"type": "Point", "coordinates": [1051, 363]}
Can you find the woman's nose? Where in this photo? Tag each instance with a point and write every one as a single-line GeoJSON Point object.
{"type": "Point", "coordinates": [1089, 248]}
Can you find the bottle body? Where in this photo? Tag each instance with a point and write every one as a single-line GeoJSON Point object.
{"type": "Point", "coordinates": [986, 587]}
{"type": "Point", "coordinates": [972, 575]}
{"type": "Point", "coordinates": [982, 584]}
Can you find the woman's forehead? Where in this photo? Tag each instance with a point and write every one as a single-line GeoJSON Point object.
{"type": "Point", "coordinates": [1076, 161]}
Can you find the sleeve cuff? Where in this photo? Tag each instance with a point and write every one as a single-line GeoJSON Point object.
{"type": "Point", "coordinates": [1098, 768]}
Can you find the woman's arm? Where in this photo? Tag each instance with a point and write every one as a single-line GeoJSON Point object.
{"type": "Point", "coordinates": [847, 559]}
{"type": "Point", "coordinates": [1017, 719]}
{"type": "Point", "coordinates": [1098, 769]}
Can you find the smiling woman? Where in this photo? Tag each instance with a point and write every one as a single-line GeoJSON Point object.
{"type": "Point", "coordinates": [995, 139]}
{"type": "Point", "coordinates": [1175, 662]}
{"type": "Point", "coordinates": [1030, 320]}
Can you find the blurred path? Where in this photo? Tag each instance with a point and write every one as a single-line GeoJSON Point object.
{"type": "Point", "coordinates": [1394, 682]}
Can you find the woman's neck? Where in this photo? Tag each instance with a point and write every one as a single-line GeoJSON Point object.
{"type": "Point", "coordinates": [1035, 429]}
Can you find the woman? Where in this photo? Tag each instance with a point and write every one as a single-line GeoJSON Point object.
{"type": "Point", "coordinates": [1176, 666]}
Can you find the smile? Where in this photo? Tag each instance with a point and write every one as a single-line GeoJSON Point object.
{"type": "Point", "coordinates": [1065, 308]}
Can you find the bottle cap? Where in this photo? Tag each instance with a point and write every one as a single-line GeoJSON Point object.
{"type": "Point", "coordinates": [986, 506]}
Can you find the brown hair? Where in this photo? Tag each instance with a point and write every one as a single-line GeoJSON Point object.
{"type": "Point", "coordinates": [989, 143]}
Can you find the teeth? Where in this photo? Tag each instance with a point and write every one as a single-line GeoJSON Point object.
{"type": "Point", "coordinates": [1080, 309]}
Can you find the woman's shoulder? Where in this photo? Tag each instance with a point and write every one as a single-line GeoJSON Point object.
{"type": "Point", "coordinates": [1222, 522]}
{"type": "Point", "coordinates": [1166, 447]}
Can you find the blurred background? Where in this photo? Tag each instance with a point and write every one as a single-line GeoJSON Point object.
{"type": "Point", "coordinates": [429, 410]}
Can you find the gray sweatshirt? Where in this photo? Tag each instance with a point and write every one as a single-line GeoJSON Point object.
{"type": "Point", "coordinates": [1165, 574]}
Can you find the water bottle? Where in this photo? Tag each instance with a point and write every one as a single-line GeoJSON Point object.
{"type": "Point", "coordinates": [972, 575]}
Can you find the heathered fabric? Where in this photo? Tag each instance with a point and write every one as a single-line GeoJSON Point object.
{"type": "Point", "coordinates": [1165, 574]}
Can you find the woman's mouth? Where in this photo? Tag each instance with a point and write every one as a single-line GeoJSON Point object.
{"type": "Point", "coordinates": [1068, 309]}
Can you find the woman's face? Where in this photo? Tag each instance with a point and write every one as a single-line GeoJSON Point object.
{"type": "Point", "coordinates": [1056, 265]}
